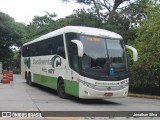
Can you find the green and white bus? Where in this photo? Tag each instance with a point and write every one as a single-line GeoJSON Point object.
{"type": "Point", "coordinates": [80, 61]}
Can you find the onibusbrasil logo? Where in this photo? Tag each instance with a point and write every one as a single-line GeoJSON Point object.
{"type": "Point", "coordinates": [56, 61]}
{"type": "Point", "coordinates": [27, 62]}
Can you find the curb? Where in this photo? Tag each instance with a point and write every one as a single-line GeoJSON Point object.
{"type": "Point", "coordinates": [144, 96]}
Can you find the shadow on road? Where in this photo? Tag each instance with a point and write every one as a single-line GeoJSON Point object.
{"type": "Point", "coordinates": [43, 88]}
{"type": "Point", "coordinates": [93, 101]}
{"type": "Point", "coordinates": [78, 100]}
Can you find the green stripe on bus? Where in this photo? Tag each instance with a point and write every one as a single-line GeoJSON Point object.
{"type": "Point", "coordinates": [47, 81]}
{"type": "Point", "coordinates": [71, 87]}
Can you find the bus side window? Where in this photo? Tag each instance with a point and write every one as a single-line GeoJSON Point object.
{"type": "Point", "coordinates": [36, 52]}
{"type": "Point", "coordinates": [43, 48]}
{"type": "Point", "coordinates": [60, 51]}
{"type": "Point", "coordinates": [51, 46]}
{"type": "Point", "coordinates": [28, 50]}
{"type": "Point", "coordinates": [49, 50]}
{"type": "Point", "coordinates": [74, 58]}
{"type": "Point", "coordinates": [72, 51]}
{"type": "Point", "coordinates": [24, 51]}
{"type": "Point", "coordinates": [59, 45]}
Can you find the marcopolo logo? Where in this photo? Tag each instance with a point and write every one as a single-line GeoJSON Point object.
{"type": "Point", "coordinates": [56, 61]}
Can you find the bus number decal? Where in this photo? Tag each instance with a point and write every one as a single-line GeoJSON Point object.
{"type": "Point", "coordinates": [51, 71]}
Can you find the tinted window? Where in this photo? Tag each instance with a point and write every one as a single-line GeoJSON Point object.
{"type": "Point", "coordinates": [72, 51]}
{"type": "Point", "coordinates": [51, 46]}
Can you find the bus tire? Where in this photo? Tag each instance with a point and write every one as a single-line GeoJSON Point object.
{"type": "Point", "coordinates": [29, 80]}
{"type": "Point", "coordinates": [61, 89]}
{"type": "Point", "coordinates": [26, 77]}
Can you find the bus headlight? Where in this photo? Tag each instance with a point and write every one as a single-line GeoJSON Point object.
{"type": "Point", "coordinates": [124, 83]}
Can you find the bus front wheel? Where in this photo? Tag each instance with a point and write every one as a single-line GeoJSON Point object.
{"type": "Point", "coordinates": [61, 89]}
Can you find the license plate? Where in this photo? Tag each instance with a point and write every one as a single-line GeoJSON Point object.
{"type": "Point", "coordinates": [108, 94]}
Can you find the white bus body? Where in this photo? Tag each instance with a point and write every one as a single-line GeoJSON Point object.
{"type": "Point", "coordinates": [81, 61]}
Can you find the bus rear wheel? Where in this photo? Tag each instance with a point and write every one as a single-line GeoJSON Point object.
{"type": "Point", "coordinates": [29, 81]}
{"type": "Point", "coordinates": [61, 89]}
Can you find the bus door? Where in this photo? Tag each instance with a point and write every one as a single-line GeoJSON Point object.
{"type": "Point", "coordinates": [74, 71]}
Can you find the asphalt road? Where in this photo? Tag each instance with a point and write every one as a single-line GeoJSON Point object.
{"type": "Point", "coordinates": [18, 96]}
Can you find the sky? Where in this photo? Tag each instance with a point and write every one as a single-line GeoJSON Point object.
{"type": "Point", "coordinates": [24, 10]}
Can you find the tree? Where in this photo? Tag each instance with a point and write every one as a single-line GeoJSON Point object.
{"type": "Point", "coordinates": [146, 72]}
{"type": "Point", "coordinates": [86, 17]}
{"type": "Point", "coordinates": [115, 18]}
{"type": "Point", "coordinates": [10, 34]}
{"type": "Point", "coordinates": [110, 6]}
{"type": "Point", "coordinates": [135, 12]}
{"type": "Point", "coordinates": [44, 24]}
{"type": "Point", "coordinates": [125, 20]}
{"type": "Point", "coordinates": [39, 26]}
{"type": "Point", "coordinates": [40, 21]}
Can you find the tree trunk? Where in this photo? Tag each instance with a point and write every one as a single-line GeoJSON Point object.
{"type": "Point", "coordinates": [98, 13]}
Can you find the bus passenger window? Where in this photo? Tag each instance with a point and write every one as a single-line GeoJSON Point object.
{"type": "Point", "coordinates": [60, 51]}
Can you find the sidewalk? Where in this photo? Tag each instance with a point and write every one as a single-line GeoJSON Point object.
{"type": "Point", "coordinates": [144, 96]}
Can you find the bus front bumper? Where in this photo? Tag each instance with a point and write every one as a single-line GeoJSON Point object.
{"type": "Point", "coordinates": [89, 93]}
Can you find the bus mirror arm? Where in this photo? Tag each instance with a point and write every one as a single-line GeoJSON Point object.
{"type": "Point", "coordinates": [135, 53]}
{"type": "Point", "coordinates": [79, 46]}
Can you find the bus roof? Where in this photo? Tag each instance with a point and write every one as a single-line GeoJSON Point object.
{"type": "Point", "coordinates": [78, 29]}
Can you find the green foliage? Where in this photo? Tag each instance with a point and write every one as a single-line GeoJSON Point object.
{"type": "Point", "coordinates": [39, 26]}
{"type": "Point", "coordinates": [135, 12]}
{"type": "Point", "coordinates": [10, 31]}
{"type": "Point", "coordinates": [15, 63]}
{"type": "Point", "coordinates": [10, 34]}
{"type": "Point", "coordinates": [86, 18]}
{"type": "Point", "coordinates": [122, 20]}
{"type": "Point", "coordinates": [146, 72]}
{"type": "Point", "coordinates": [110, 6]}
{"type": "Point", "coordinates": [44, 24]}
{"type": "Point", "coordinates": [120, 24]}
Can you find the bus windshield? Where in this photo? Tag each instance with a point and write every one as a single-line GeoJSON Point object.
{"type": "Point", "coordinates": [103, 54]}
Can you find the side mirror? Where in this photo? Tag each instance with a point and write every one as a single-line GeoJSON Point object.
{"type": "Point", "coordinates": [135, 53]}
{"type": "Point", "coordinates": [79, 46]}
